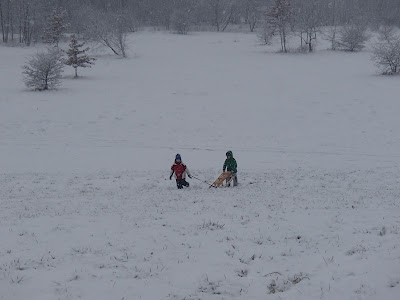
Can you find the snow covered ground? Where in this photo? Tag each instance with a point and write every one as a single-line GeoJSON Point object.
{"type": "Point", "coordinates": [87, 210]}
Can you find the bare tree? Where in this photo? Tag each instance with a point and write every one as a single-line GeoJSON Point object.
{"type": "Point", "coordinates": [222, 12]}
{"type": "Point", "coordinates": [120, 31]}
{"type": "Point", "coordinates": [161, 13]}
{"type": "Point", "coordinates": [254, 10]}
{"type": "Point", "coordinates": [182, 16]}
{"type": "Point", "coordinates": [307, 21]}
{"type": "Point", "coordinates": [77, 57]}
{"type": "Point", "coordinates": [229, 15]}
{"type": "Point", "coordinates": [278, 18]}
{"type": "Point", "coordinates": [181, 21]}
{"type": "Point", "coordinates": [11, 18]}
{"type": "Point", "coordinates": [265, 32]}
{"type": "Point", "coordinates": [331, 32]}
{"type": "Point", "coordinates": [386, 53]}
{"type": "Point", "coordinates": [27, 28]}
{"type": "Point", "coordinates": [26, 20]}
{"type": "Point", "coordinates": [5, 19]}
{"type": "Point", "coordinates": [109, 30]}
{"type": "Point", "coordinates": [266, 29]}
{"type": "Point", "coordinates": [353, 37]}
{"type": "Point", "coordinates": [44, 70]}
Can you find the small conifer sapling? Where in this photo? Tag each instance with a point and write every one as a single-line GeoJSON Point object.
{"type": "Point", "coordinates": [77, 57]}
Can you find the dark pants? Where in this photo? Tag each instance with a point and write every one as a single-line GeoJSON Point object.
{"type": "Point", "coordinates": [180, 183]}
{"type": "Point", "coordinates": [235, 180]}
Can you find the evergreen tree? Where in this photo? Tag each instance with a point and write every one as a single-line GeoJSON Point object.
{"type": "Point", "coordinates": [278, 17]}
{"type": "Point", "coordinates": [76, 55]}
{"type": "Point", "coordinates": [55, 27]}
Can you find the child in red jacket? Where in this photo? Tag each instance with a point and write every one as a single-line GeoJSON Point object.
{"type": "Point", "coordinates": [180, 171]}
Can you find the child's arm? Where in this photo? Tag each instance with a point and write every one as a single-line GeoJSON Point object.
{"type": "Point", "coordinates": [187, 172]}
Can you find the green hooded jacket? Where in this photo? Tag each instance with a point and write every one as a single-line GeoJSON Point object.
{"type": "Point", "coordinates": [230, 164]}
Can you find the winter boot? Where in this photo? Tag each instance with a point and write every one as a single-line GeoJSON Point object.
{"type": "Point", "coordinates": [179, 183]}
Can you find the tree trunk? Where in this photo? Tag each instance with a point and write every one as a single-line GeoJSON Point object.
{"type": "Point", "coordinates": [228, 20]}
{"type": "Point", "coordinates": [283, 37]}
{"type": "Point", "coordinates": [334, 39]}
{"type": "Point", "coordinates": [252, 26]}
{"type": "Point", "coordinates": [7, 25]}
{"type": "Point", "coordinates": [76, 72]}
{"type": "Point", "coordinates": [20, 18]}
{"type": "Point", "coordinates": [1, 20]}
{"type": "Point", "coordinates": [26, 28]}
{"type": "Point", "coordinates": [12, 26]}
{"type": "Point", "coordinates": [301, 40]}
{"type": "Point", "coordinates": [216, 14]}
{"type": "Point", "coordinates": [309, 42]}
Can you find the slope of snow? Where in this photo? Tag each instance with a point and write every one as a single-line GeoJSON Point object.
{"type": "Point", "coordinates": [202, 94]}
{"type": "Point", "coordinates": [86, 210]}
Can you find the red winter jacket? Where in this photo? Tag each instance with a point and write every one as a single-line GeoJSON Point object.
{"type": "Point", "coordinates": [180, 170]}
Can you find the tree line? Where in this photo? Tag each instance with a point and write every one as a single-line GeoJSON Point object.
{"type": "Point", "coordinates": [25, 21]}
{"type": "Point", "coordinates": [343, 22]}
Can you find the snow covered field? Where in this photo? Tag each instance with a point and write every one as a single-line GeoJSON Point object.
{"type": "Point", "coordinates": [87, 210]}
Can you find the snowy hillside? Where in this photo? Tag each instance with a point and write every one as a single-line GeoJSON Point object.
{"type": "Point", "coordinates": [87, 210]}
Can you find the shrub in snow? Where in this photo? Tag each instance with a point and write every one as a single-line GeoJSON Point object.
{"type": "Point", "coordinates": [11, 271]}
{"type": "Point", "coordinates": [242, 273]}
{"type": "Point", "coordinates": [280, 284]}
{"type": "Point", "coordinates": [356, 249]}
{"type": "Point", "coordinates": [77, 57]}
{"type": "Point", "coordinates": [210, 287]}
{"type": "Point", "coordinates": [265, 33]}
{"type": "Point", "coordinates": [44, 70]}
{"type": "Point", "coordinates": [386, 53]}
{"type": "Point", "coordinates": [212, 225]}
{"type": "Point", "coordinates": [330, 34]}
{"type": "Point", "coordinates": [353, 37]}
{"type": "Point", "coordinates": [303, 48]}
{"type": "Point", "coordinates": [248, 260]}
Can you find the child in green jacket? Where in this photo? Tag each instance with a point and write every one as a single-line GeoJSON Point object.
{"type": "Point", "coordinates": [231, 165]}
